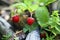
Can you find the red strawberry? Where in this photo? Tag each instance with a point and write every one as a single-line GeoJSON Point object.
{"type": "Point", "coordinates": [42, 35]}
{"type": "Point", "coordinates": [16, 18]}
{"type": "Point", "coordinates": [30, 20]}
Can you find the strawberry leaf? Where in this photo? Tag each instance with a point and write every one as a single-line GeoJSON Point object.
{"type": "Point", "coordinates": [46, 2]}
{"type": "Point", "coordinates": [21, 6]}
{"type": "Point", "coordinates": [30, 28]}
{"type": "Point", "coordinates": [42, 16]}
{"type": "Point", "coordinates": [31, 6]}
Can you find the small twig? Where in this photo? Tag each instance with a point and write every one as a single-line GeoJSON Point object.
{"type": "Point", "coordinates": [17, 32]}
{"type": "Point", "coordinates": [31, 14]}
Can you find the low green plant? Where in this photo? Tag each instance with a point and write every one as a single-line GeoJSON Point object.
{"type": "Point", "coordinates": [42, 16]}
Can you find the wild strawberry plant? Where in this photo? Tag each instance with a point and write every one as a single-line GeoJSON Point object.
{"type": "Point", "coordinates": [39, 15]}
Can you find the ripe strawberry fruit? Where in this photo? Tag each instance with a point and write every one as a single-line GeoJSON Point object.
{"type": "Point", "coordinates": [42, 35]}
{"type": "Point", "coordinates": [16, 18]}
{"type": "Point", "coordinates": [30, 20]}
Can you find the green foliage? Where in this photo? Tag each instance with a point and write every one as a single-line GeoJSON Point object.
{"type": "Point", "coordinates": [31, 5]}
{"type": "Point", "coordinates": [41, 13]}
{"type": "Point", "coordinates": [38, 2]}
{"type": "Point", "coordinates": [54, 22]}
{"type": "Point", "coordinates": [46, 2]}
{"type": "Point", "coordinates": [21, 6]}
{"type": "Point", "coordinates": [28, 2]}
{"type": "Point", "coordinates": [16, 38]}
{"type": "Point", "coordinates": [49, 37]}
{"type": "Point", "coordinates": [42, 16]}
{"type": "Point", "coordinates": [30, 28]}
{"type": "Point", "coordinates": [50, 1]}
{"type": "Point", "coordinates": [6, 37]}
{"type": "Point", "coordinates": [56, 30]}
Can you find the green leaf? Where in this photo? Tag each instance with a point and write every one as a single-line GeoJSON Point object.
{"type": "Point", "coordinates": [43, 1]}
{"type": "Point", "coordinates": [33, 7]}
{"type": "Point", "coordinates": [46, 2]}
{"type": "Point", "coordinates": [42, 16]}
{"type": "Point", "coordinates": [51, 37]}
{"type": "Point", "coordinates": [21, 6]}
{"type": "Point", "coordinates": [57, 28]}
{"type": "Point", "coordinates": [42, 39]}
{"type": "Point", "coordinates": [16, 38]}
{"type": "Point", "coordinates": [19, 11]}
{"type": "Point", "coordinates": [30, 28]}
{"type": "Point", "coordinates": [28, 2]}
{"type": "Point", "coordinates": [50, 1]}
{"type": "Point", "coordinates": [33, 27]}
{"type": "Point", "coordinates": [47, 37]}
{"type": "Point", "coordinates": [12, 13]}
{"type": "Point", "coordinates": [6, 37]}
{"type": "Point", "coordinates": [54, 20]}
{"type": "Point", "coordinates": [55, 32]}
{"type": "Point", "coordinates": [26, 28]}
